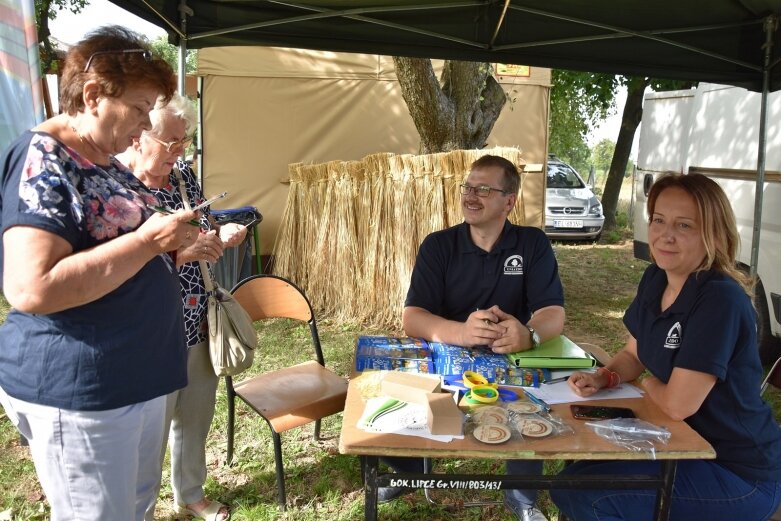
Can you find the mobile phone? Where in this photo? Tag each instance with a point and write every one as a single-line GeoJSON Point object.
{"type": "Point", "coordinates": [209, 201]}
{"type": "Point", "coordinates": [598, 412]}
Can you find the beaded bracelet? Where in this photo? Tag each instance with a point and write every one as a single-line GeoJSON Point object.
{"type": "Point", "coordinates": [613, 378]}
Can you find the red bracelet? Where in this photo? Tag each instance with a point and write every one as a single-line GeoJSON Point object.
{"type": "Point", "coordinates": [613, 378]}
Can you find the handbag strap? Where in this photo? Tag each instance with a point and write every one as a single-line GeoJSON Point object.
{"type": "Point", "coordinates": [207, 278]}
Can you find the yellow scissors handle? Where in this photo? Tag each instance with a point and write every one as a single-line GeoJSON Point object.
{"type": "Point", "coordinates": [472, 379]}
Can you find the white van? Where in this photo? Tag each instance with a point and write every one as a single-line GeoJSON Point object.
{"type": "Point", "coordinates": [714, 130]}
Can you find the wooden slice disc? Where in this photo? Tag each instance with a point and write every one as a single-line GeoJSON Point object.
{"type": "Point", "coordinates": [524, 407]}
{"type": "Point", "coordinates": [492, 433]}
{"type": "Point", "coordinates": [490, 414]}
{"type": "Point", "coordinates": [534, 427]}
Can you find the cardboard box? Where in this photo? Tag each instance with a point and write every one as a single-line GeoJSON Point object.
{"type": "Point", "coordinates": [450, 360]}
{"type": "Point", "coordinates": [524, 376]}
{"type": "Point", "coordinates": [409, 387]}
{"type": "Point", "coordinates": [443, 415]}
{"type": "Point", "coordinates": [393, 354]}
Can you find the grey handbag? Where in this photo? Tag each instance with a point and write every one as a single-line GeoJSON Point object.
{"type": "Point", "coordinates": [232, 338]}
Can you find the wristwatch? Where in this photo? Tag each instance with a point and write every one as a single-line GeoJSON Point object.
{"type": "Point", "coordinates": [534, 336]}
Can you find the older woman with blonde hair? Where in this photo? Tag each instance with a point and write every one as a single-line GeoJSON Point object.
{"type": "Point", "coordinates": [693, 328]}
{"type": "Point", "coordinates": [95, 338]}
{"type": "Point", "coordinates": [154, 158]}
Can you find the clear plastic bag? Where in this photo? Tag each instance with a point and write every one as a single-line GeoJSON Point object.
{"type": "Point", "coordinates": [560, 427]}
{"type": "Point", "coordinates": [517, 420]}
{"type": "Point", "coordinates": [631, 433]}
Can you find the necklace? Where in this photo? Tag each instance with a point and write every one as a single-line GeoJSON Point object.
{"type": "Point", "coordinates": [85, 144]}
{"type": "Point", "coordinates": [78, 134]}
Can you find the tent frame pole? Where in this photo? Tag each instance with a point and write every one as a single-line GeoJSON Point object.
{"type": "Point", "coordinates": [162, 18]}
{"type": "Point", "coordinates": [769, 26]}
{"type": "Point", "coordinates": [184, 11]}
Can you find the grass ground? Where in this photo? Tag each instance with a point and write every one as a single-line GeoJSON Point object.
{"type": "Point", "coordinates": [599, 281]}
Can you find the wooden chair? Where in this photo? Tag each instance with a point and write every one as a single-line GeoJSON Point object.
{"type": "Point", "coordinates": [291, 396]}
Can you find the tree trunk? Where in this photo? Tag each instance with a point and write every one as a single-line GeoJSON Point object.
{"type": "Point", "coordinates": [633, 113]}
{"type": "Point", "coordinates": [46, 51]}
{"type": "Point", "coordinates": [460, 112]}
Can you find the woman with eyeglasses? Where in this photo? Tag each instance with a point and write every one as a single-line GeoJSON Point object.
{"type": "Point", "coordinates": [95, 339]}
{"type": "Point", "coordinates": [154, 159]}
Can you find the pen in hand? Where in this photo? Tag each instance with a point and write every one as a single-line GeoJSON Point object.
{"type": "Point", "coordinates": [563, 378]}
{"type": "Point", "coordinates": [160, 209]}
{"type": "Point", "coordinates": [210, 201]}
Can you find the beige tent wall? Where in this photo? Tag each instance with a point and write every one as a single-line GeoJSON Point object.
{"type": "Point", "coordinates": [264, 108]}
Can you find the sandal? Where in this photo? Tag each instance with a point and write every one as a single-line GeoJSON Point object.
{"type": "Point", "coordinates": [210, 513]}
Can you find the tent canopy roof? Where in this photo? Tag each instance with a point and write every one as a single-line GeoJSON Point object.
{"type": "Point", "coordinates": [719, 41]}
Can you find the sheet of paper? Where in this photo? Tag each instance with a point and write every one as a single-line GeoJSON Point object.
{"type": "Point", "coordinates": [561, 393]}
{"type": "Point", "coordinates": [383, 414]}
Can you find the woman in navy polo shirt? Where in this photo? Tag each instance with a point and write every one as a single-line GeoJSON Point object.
{"type": "Point", "coordinates": [693, 327]}
{"type": "Point", "coordinates": [95, 339]}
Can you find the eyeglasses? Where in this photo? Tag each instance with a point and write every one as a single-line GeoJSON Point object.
{"type": "Point", "coordinates": [480, 191]}
{"type": "Point", "coordinates": [145, 53]}
{"type": "Point", "coordinates": [170, 146]}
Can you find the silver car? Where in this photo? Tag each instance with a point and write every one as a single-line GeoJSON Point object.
{"type": "Point", "coordinates": [572, 211]}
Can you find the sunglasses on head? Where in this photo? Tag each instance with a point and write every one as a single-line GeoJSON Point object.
{"type": "Point", "coordinates": [145, 53]}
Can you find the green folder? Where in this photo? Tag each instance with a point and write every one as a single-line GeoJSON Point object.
{"type": "Point", "coordinates": [559, 352]}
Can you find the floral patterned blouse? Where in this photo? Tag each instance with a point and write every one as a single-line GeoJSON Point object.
{"type": "Point", "coordinates": [193, 289]}
{"type": "Point", "coordinates": [125, 347]}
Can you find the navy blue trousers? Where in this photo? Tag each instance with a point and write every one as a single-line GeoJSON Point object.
{"type": "Point", "coordinates": [702, 490]}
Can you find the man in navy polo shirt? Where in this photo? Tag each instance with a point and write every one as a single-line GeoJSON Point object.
{"type": "Point", "coordinates": [490, 283]}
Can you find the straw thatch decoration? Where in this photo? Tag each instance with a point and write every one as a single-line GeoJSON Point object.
{"type": "Point", "coordinates": [290, 230]}
{"type": "Point", "coordinates": [457, 169]}
{"type": "Point", "coordinates": [363, 190]}
{"type": "Point", "coordinates": [336, 245]}
{"type": "Point", "coordinates": [351, 229]}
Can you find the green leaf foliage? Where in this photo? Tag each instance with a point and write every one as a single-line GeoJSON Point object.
{"type": "Point", "coordinates": [602, 154]}
{"type": "Point", "coordinates": [170, 53]}
{"type": "Point", "coordinates": [51, 7]}
{"type": "Point", "coordinates": [46, 10]}
{"type": "Point", "coordinates": [579, 101]}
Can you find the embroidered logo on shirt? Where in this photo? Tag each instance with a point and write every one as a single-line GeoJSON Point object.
{"type": "Point", "coordinates": [513, 265]}
{"type": "Point", "coordinates": [673, 337]}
